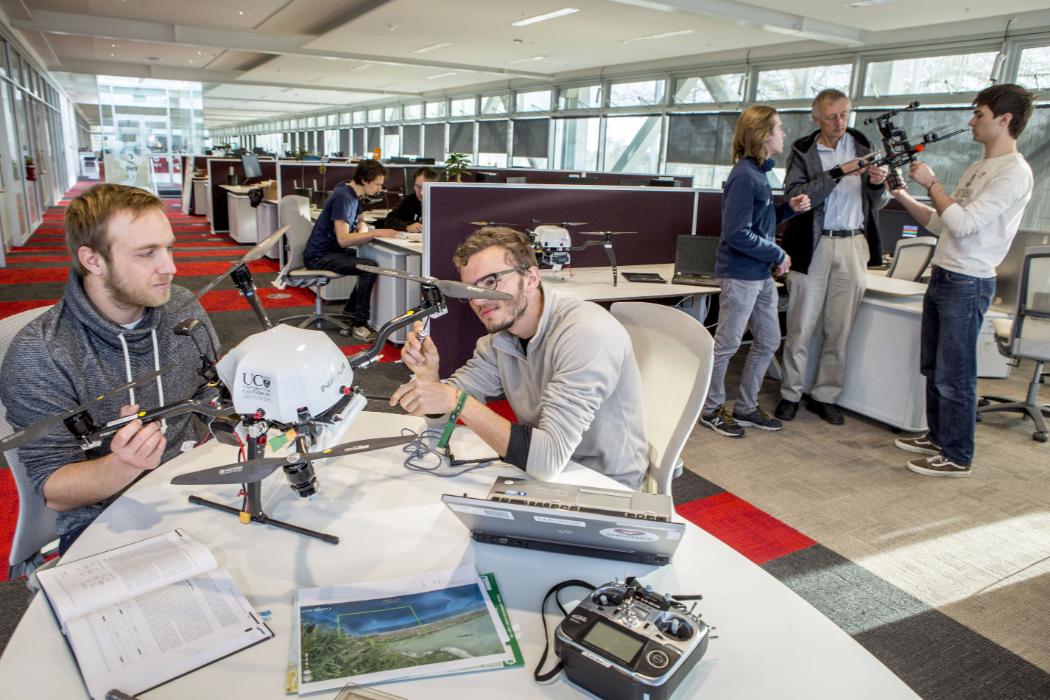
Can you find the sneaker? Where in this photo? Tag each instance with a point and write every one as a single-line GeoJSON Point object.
{"type": "Point", "coordinates": [786, 410]}
{"type": "Point", "coordinates": [758, 419]}
{"type": "Point", "coordinates": [938, 465]}
{"type": "Point", "coordinates": [922, 445]}
{"type": "Point", "coordinates": [362, 333]}
{"type": "Point", "coordinates": [828, 411]}
{"type": "Point", "coordinates": [721, 421]}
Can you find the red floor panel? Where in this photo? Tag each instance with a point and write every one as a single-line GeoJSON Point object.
{"type": "Point", "coordinates": [10, 308]}
{"type": "Point", "coordinates": [757, 535]}
{"type": "Point", "coordinates": [231, 300]}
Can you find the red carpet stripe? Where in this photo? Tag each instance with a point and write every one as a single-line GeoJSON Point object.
{"type": "Point", "coordinates": [10, 308]}
{"type": "Point", "coordinates": [231, 300]}
{"type": "Point", "coordinates": [754, 533]}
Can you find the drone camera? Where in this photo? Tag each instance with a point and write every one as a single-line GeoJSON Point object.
{"type": "Point", "coordinates": [301, 478]}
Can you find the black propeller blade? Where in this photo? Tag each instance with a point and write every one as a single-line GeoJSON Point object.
{"type": "Point", "coordinates": [252, 255]}
{"type": "Point", "coordinates": [43, 427]}
{"type": "Point", "coordinates": [604, 233]}
{"type": "Point", "coordinates": [453, 290]}
{"type": "Point", "coordinates": [258, 469]}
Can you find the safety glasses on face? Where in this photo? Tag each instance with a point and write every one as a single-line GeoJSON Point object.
{"type": "Point", "coordinates": [491, 281]}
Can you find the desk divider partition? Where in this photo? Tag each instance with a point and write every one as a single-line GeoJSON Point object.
{"type": "Point", "coordinates": [218, 171]}
{"type": "Point", "coordinates": [658, 214]}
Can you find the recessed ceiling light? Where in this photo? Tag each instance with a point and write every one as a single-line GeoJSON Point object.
{"type": "Point", "coordinates": [544, 17]}
{"type": "Point", "coordinates": [432, 47]}
{"type": "Point", "coordinates": [112, 54]}
{"type": "Point", "coordinates": [442, 75]}
{"type": "Point", "coordinates": [526, 60]}
{"type": "Point", "coordinates": [662, 35]}
{"type": "Point", "coordinates": [113, 46]}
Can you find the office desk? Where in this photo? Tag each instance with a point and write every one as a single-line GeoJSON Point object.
{"type": "Point", "coordinates": [243, 227]}
{"type": "Point", "coordinates": [393, 296]}
{"type": "Point", "coordinates": [770, 643]}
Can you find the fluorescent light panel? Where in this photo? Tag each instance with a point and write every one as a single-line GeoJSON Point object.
{"type": "Point", "coordinates": [526, 60]}
{"type": "Point", "coordinates": [432, 47]}
{"type": "Point", "coordinates": [543, 18]}
{"type": "Point", "coordinates": [449, 74]}
{"type": "Point", "coordinates": [662, 35]}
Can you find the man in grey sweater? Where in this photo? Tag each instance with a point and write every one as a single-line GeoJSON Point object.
{"type": "Point", "coordinates": [114, 322]}
{"type": "Point", "coordinates": [567, 369]}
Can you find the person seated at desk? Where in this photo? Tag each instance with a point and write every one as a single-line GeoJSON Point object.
{"type": "Point", "coordinates": [408, 216]}
{"type": "Point", "coordinates": [567, 368]}
{"type": "Point", "coordinates": [115, 322]}
{"type": "Point", "coordinates": [332, 246]}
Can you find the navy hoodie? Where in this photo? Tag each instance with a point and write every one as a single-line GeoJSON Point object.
{"type": "Point", "coordinates": [748, 250]}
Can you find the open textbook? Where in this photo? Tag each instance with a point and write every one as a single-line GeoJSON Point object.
{"type": "Point", "coordinates": [437, 623]}
{"type": "Point", "coordinates": [145, 613]}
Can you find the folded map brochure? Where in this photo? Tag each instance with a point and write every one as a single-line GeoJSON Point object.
{"type": "Point", "coordinates": [140, 615]}
{"type": "Point", "coordinates": [439, 623]}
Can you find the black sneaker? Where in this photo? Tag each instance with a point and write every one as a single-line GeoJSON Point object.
{"type": "Point", "coordinates": [721, 421]}
{"type": "Point", "coordinates": [758, 419]}
{"type": "Point", "coordinates": [828, 411]}
{"type": "Point", "coordinates": [786, 410]}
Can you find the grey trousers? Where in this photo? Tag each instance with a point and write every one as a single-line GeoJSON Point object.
{"type": "Point", "coordinates": [740, 303]}
{"type": "Point", "coordinates": [821, 307]}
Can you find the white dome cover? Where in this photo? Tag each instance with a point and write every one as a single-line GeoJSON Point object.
{"type": "Point", "coordinates": [284, 369]}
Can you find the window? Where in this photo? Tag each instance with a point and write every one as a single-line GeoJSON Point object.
{"type": "Point", "coordinates": [392, 113]}
{"type": "Point", "coordinates": [1033, 71]}
{"type": "Point", "coordinates": [434, 141]}
{"type": "Point", "coordinates": [345, 118]}
{"type": "Point", "coordinates": [929, 74]}
{"type": "Point", "coordinates": [412, 140]}
{"type": "Point", "coordinates": [492, 143]}
{"type": "Point", "coordinates": [537, 101]}
{"type": "Point", "coordinates": [435, 110]}
{"type": "Point", "coordinates": [531, 139]}
{"type": "Point", "coordinates": [588, 97]}
{"type": "Point", "coordinates": [802, 83]}
{"type": "Point", "coordinates": [375, 116]}
{"type": "Point", "coordinates": [463, 108]}
{"type": "Point", "coordinates": [311, 121]}
{"type": "Point", "coordinates": [360, 116]}
{"type": "Point", "coordinates": [461, 138]}
{"type": "Point", "coordinates": [707, 89]}
{"type": "Point", "coordinates": [576, 143]}
{"type": "Point", "coordinates": [331, 142]}
{"type": "Point", "coordinates": [413, 112]}
{"type": "Point", "coordinates": [646, 92]}
{"type": "Point", "coordinates": [391, 142]}
{"type": "Point", "coordinates": [373, 139]}
{"type": "Point", "coordinates": [494, 104]}
{"type": "Point", "coordinates": [632, 144]}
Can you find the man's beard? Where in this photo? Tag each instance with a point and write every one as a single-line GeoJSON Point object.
{"type": "Point", "coordinates": [516, 311]}
{"type": "Point", "coordinates": [125, 296]}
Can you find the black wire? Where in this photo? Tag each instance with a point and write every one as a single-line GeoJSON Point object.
{"type": "Point", "coordinates": [425, 458]}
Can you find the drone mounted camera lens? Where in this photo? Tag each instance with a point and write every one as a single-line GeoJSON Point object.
{"type": "Point", "coordinates": [301, 478]}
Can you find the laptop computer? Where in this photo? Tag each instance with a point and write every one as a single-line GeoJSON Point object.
{"type": "Point", "coordinates": [694, 261]}
{"type": "Point", "coordinates": [586, 521]}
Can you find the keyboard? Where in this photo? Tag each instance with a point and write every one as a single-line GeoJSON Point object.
{"type": "Point", "coordinates": [695, 280]}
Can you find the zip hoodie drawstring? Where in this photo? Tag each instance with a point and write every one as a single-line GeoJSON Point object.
{"type": "Point", "coordinates": [156, 366]}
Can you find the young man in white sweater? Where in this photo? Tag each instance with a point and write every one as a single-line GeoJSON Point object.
{"type": "Point", "coordinates": [975, 226]}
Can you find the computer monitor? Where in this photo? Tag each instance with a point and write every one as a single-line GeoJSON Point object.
{"type": "Point", "coordinates": [251, 166]}
{"type": "Point", "coordinates": [663, 182]}
{"type": "Point", "coordinates": [695, 255]}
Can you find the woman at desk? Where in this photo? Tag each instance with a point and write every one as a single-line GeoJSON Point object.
{"type": "Point", "coordinates": [743, 261]}
{"type": "Point", "coordinates": [409, 213]}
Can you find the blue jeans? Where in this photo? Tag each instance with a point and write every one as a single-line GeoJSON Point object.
{"type": "Point", "coordinates": [359, 305]}
{"type": "Point", "coordinates": [952, 313]}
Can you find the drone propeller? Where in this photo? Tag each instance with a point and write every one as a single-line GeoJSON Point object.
{"type": "Point", "coordinates": [453, 290]}
{"type": "Point", "coordinates": [42, 427]}
{"type": "Point", "coordinates": [252, 255]}
{"type": "Point", "coordinates": [258, 469]}
{"type": "Point", "coordinates": [567, 224]}
{"type": "Point", "coordinates": [604, 233]}
{"type": "Point", "coordinates": [495, 223]}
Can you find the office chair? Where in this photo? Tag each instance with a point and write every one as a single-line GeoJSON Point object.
{"type": "Point", "coordinates": [37, 524]}
{"type": "Point", "coordinates": [911, 258]}
{"type": "Point", "coordinates": [294, 212]}
{"type": "Point", "coordinates": [674, 353]}
{"type": "Point", "coordinates": [1027, 337]}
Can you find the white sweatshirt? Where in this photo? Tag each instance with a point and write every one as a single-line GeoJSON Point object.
{"type": "Point", "coordinates": [975, 232]}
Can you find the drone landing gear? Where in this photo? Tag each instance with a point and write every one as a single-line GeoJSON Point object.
{"type": "Point", "coordinates": [253, 511]}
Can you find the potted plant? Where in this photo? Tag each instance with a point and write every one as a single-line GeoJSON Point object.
{"type": "Point", "coordinates": [455, 165]}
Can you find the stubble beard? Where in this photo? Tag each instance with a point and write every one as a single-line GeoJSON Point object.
{"type": "Point", "coordinates": [515, 312]}
{"type": "Point", "coordinates": [125, 296]}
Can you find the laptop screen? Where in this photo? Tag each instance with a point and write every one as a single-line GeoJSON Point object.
{"type": "Point", "coordinates": [696, 255]}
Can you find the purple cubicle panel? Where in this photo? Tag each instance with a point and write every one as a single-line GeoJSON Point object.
{"type": "Point", "coordinates": [218, 175]}
{"type": "Point", "coordinates": [659, 215]}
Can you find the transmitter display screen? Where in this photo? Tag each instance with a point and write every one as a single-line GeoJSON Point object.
{"type": "Point", "coordinates": [604, 500]}
{"type": "Point", "coordinates": [613, 641]}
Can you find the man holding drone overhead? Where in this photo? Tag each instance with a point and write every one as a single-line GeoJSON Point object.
{"type": "Point", "coordinates": [114, 323]}
{"type": "Point", "coordinates": [567, 369]}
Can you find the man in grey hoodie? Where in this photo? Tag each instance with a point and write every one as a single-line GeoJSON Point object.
{"type": "Point", "coordinates": [114, 323]}
{"type": "Point", "coordinates": [567, 369]}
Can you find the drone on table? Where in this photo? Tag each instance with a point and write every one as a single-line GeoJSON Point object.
{"type": "Point", "coordinates": [553, 246]}
{"type": "Point", "coordinates": [292, 380]}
